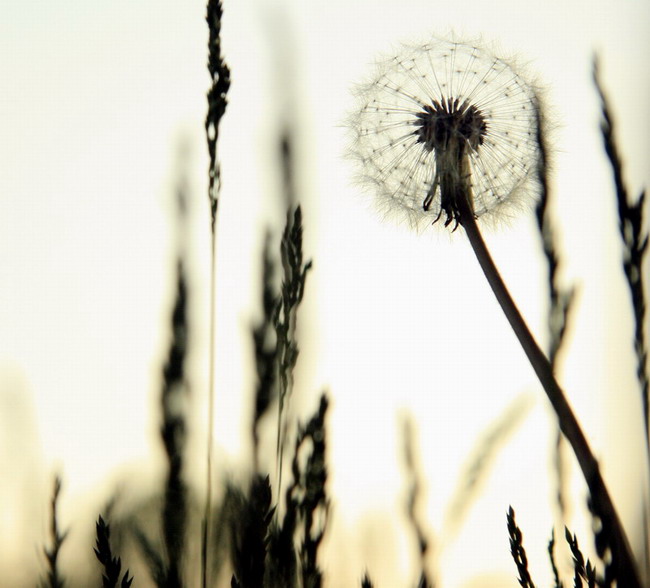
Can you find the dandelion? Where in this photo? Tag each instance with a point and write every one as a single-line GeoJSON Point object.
{"type": "Point", "coordinates": [442, 117]}
{"type": "Point", "coordinates": [447, 127]}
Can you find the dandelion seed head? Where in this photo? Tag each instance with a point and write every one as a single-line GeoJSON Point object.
{"type": "Point", "coordinates": [433, 105]}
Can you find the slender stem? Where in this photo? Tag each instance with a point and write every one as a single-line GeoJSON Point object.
{"type": "Point", "coordinates": [208, 497]}
{"type": "Point", "coordinates": [217, 102]}
{"type": "Point", "coordinates": [602, 503]}
{"type": "Point", "coordinates": [279, 447]}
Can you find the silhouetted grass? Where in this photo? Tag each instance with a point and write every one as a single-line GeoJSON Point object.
{"type": "Point", "coordinates": [415, 491]}
{"type": "Point", "coordinates": [560, 298]}
{"type": "Point", "coordinates": [174, 434]}
{"type": "Point", "coordinates": [294, 274]}
{"type": "Point", "coordinates": [635, 243]}
{"type": "Point", "coordinates": [517, 550]}
{"type": "Point", "coordinates": [250, 516]}
{"type": "Point", "coordinates": [551, 557]}
{"type": "Point", "coordinates": [265, 348]}
{"type": "Point", "coordinates": [54, 579]}
{"type": "Point", "coordinates": [112, 565]}
{"type": "Point", "coordinates": [266, 533]}
{"type": "Point", "coordinates": [217, 103]}
{"type": "Point", "coordinates": [291, 539]}
{"type": "Point", "coordinates": [583, 570]}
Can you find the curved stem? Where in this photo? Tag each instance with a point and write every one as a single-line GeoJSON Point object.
{"type": "Point", "coordinates": [602, 503]}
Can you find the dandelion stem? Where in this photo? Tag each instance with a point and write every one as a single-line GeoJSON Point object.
{"type": "Point", "coordinates": [602, 502]}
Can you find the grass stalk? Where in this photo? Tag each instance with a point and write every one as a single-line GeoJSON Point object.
{"type": "Point", "coordinates": [54, 578]}
{"type": "Point", "coordinates": [285, 329]}
{"type": "Point", "coordinates": [635, 246]}
{"type": "Point", "coordinates": [220, 84]}
{"type": "Point", "coordinates": [560, 298]}
{"type": "Point", "coordinates": [173, 432]}
{"type": "Point", "coordinates": [210, 440]}
{"type": "Point", "coordinates": [413, 504]}
{"type": "Point", "coordinates": [293, 287]}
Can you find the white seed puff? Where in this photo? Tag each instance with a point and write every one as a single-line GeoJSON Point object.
{"type": "Point", "coordinates": [438, 93]}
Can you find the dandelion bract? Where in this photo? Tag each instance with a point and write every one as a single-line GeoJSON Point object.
{"type": "Point", "coordinates": [442, 112]}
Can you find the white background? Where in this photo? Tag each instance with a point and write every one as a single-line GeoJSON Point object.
{"type": "Point", "coordinates": [96, 98]}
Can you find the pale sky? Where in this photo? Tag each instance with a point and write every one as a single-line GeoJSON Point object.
{"type": "Point", "coordinates": [95, 98]}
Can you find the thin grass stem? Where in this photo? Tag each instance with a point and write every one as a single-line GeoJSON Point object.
{"type": "Point", "coordinates": [211, 346]}
{"type": "Point", "coordinates": [217, 102]}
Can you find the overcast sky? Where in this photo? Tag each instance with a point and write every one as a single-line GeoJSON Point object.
{"type": "Point", "coordinates": [96, 98]}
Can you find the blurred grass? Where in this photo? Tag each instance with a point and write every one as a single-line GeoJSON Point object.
{"type": "Point", "coordinates": [258, 535]}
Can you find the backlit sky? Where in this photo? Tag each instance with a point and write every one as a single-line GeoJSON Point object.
{"type": "Point", "coordinates": [96, 98]}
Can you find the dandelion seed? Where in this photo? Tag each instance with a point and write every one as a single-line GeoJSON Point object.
{"type": "Point", "coordinates": [441, 119]}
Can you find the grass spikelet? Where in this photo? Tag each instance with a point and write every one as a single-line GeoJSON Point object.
{"type": "Point", "coordinates": [518, 552]}
{"type": "Point", "coordinates": [294, 275]}
{"type": "Point", "coordinates": [551, 556]}
{"type": "Point", "coordinates": [263, 543]}
{"type": "Point", "coordinates": [54, 579]}
{"type": "Point", "coordinates": [582, 570]}
{"type": "Point", "coordinates": [313, 502]}
{"type": "Point", "coordinates": [112, 565]}
{"type": "Point", "coordinates": [307, 510]}
{"type": "Point", "coordinates": [217, 99]}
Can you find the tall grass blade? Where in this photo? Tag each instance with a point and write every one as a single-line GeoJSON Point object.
{"type": "Point", "coordinates": [217, 102]}
{"type": "Point", "coordinates": [634, 238]}
{"type": "Point", "coordinates": [294, 275]}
